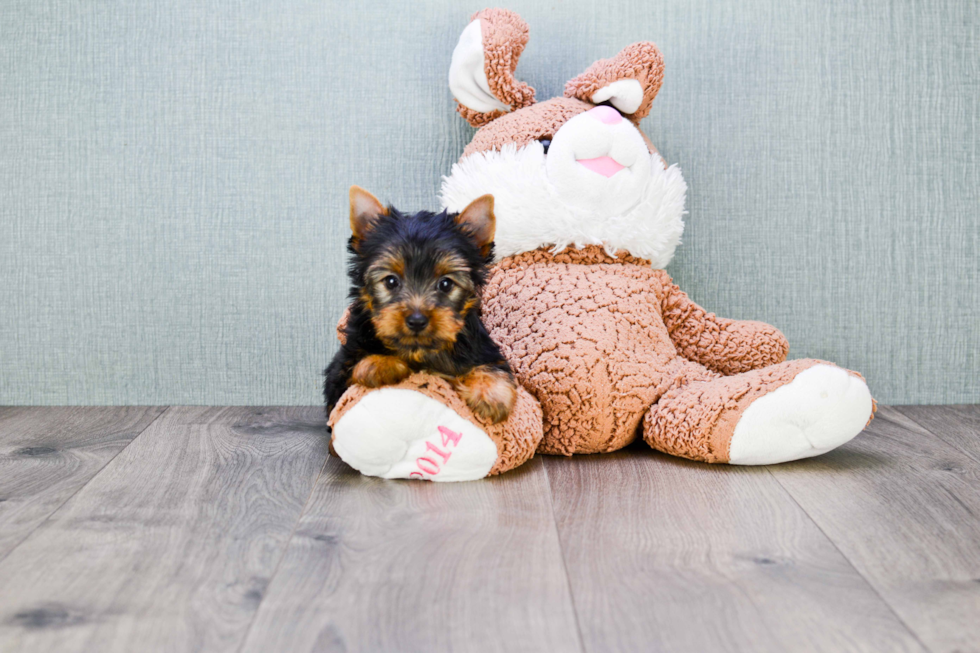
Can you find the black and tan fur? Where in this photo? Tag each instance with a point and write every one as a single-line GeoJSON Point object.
{"type": "Point", "coordinates": [415, 291]}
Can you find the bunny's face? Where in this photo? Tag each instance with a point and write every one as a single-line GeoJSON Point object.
{"type": "Point", "coordinates": [599, 162]}
{"type": "Point", "coordinates": [570, 171]}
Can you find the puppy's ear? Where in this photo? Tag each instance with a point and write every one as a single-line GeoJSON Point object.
{"type": "Point", "coordinates": [365, 209]}
{"type": "Point", "coordinates": [479, 222]}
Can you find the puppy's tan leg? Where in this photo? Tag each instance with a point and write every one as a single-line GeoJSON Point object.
{"type": "Point", "coordinates": [376, 370]}
{"type": "Point", "coordinates": [489, 392]}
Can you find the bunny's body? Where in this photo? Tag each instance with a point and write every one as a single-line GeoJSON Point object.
{"type": "Point", "coordinates": [605, 345]}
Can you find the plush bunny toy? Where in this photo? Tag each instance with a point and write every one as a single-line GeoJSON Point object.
{"type": "Point", "coordinates": [606, 347]}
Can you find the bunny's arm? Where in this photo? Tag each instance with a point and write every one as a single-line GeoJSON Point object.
{"type": "Point", "coordinates": [723, 345]}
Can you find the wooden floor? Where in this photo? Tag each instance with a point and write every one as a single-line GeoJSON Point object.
{"type": "Point", "coordinates": [231, 529]}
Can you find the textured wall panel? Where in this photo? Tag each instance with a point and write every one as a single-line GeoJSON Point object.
{"type": "Point", "coordinates": [173, 178]}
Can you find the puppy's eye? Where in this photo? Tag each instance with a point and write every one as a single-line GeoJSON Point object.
{"type": "Point", "coordinates": [445, 284]}
{"type": "Point", "coordinates": [391, 282]}
{"type": "Point", "coordinates": [545, 143]}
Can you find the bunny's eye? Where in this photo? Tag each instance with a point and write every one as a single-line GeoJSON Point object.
{"type": "Point", "coordinates": [545, 143]}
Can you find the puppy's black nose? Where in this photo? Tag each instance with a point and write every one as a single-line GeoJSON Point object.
{"type": "Point", "coordinates": [416, 321]}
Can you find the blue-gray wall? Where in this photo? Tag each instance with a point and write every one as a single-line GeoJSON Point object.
{"type": "Point", "coordinates": [173, 178]}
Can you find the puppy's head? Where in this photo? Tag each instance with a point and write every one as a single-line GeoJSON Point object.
{"type": "Point", "coordinates": [419, 275]}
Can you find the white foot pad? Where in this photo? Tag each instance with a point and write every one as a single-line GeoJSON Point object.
{"type": "Point", "coordinates": [822, 408]}
{"type": "Point", "coordinates": [397, 433]}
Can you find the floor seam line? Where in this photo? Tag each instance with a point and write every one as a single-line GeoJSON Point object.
{"type": "Point", "coordinates": [968, 454]}
{"type": "Point", "coordinates": [285, 550]}
{"type": "Point", "coordinates": [166, 409]}
{"type": "Point", "coordinates": [564, 563]}
{"type": "Point", "coordinates": [850, 563]}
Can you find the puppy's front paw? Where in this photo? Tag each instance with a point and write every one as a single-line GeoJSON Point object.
{"type": "Point", "coordinates": [376, 370]}
{"type": "Point", "coordinates": [489, 392]}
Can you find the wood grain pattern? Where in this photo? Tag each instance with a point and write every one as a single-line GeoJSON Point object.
{"type": "Point", "coordinates": [171, 547]}
{"type": "Point", "coordinates": [957, 426]}
{"type": "Point", "coordinates": [396, 566]}
{"type": "Point", "coordinates": [47, 454]}
{"type": "Point", "coordinates": [904, 507]}
{"type": "Point", "coordinates": [669, 555]}
{"type": "Point", "coordinates": [224, 529]}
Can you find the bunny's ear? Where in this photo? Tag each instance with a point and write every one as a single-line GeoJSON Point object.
{"type": "Point", "coordinates": [481, 75]}
{"type": "Point", "coordinates": [629, 81]}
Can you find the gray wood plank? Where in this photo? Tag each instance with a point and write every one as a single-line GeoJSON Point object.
{"type": "Point", "coordinates": [402, 566]}
{"type": "Point", "coordinates": [665, 554]}
{"type": "Point", "coordinates": [172, 545]}
{"type": "Point", "coordinates": [904, 507]}
{"type": "Point", "coordinates": [958, 426]}
{"type": "Point", "coordinates": [47, 454]}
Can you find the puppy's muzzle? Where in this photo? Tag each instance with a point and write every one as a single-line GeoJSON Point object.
{"type": "Point", "coordinates": [416, 322]}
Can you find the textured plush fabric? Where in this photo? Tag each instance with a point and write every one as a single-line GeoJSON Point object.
{"type": "Point", "coordinates": [532, 212]}
{"type": "Point", "coordinates": [720, 344]}
{"type": "Point", "coordinates": [516, 439]}
{"type": "Point", "coordinates": [592, 338]}
{"type": "Point", "coordinates": [541, 120]}
{"type": "Point", "coordinates": [696, 418]}
{"type": "Point", "coordinates": [640, 61]}
{"type": "Point", "coordinates": [174, 175]}
{"type": "Point", "coordinates": [504, 38]}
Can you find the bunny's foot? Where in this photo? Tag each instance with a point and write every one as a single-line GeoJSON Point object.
{"type": "Point", "coordinates": [421, 429]}
{"type": "Point", "coordinates": [774, 414]}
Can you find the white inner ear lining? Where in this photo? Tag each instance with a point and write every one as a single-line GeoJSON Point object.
{"type": "Point", "coordinates": [467, 76]}
{"type": "Point", "coordinates": [624, 94]}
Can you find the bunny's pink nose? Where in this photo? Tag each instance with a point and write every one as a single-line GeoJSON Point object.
{"type": "Point", "coordinates": [605, 114]}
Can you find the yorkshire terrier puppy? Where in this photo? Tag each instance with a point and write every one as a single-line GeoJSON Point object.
{"type": "Point", "coordinates": [415, 291]}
